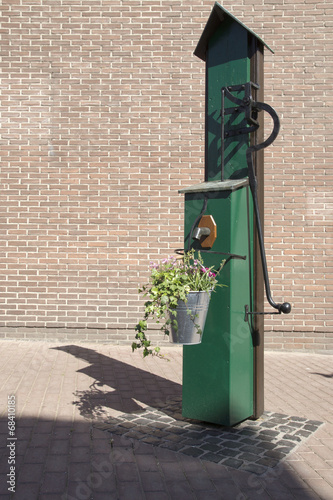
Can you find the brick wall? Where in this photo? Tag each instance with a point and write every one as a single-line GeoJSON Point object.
{"type": "Point", "coordinates": [298, 168]}
{"type": "Point", "coordinates": [102, 111]}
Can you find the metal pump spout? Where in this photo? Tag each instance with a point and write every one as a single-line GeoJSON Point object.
{"type": "Point", "coordinates": [199, 232]}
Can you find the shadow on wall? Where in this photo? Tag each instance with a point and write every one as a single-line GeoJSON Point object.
{"type": "Point", "coordinates": [129, 385]}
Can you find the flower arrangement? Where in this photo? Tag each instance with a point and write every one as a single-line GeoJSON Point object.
{"type": "Point", "coordinates": [171, 281]}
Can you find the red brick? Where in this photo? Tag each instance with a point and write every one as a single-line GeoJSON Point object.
{"type": "Point", "coordinates": [103, 122]}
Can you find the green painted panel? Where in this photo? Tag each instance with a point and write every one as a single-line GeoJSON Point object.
{"type": "Point", "coordinates": [241, 358]}
{"type": "Point", "coordinates": [218, 373]}
{"type": "Point", "coordinates": [227, 64]}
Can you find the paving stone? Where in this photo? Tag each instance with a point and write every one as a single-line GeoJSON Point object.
{"type": "Point", "coordinates": [151, 440]}
{"type": "Point", "coordinates": [254, 468]}
{"type": "Point", "coordinates": [290, 437]}
{"type": "Point", "coordinates": [59, 432]}
{"type": "Point", "coordinates": [249, 449]}
{"type": "Point", "coordinates": [280, 416]}
{"type": "Point", "coordinates": [126, 471]}
{"type": "Point", "coordinates": [267, 440]}
{"type": "Point", "coordinates": [180, 490]}
{"type": "Point", "coordinates": [249, 432]}
{"type": "Point", "coordinates": [212, 457]}
{"type": "Point", "coordinates": [270, 425]}
{"type": "Point", "coordinates": [180, 432]}
{"type": "Point", "coordinates": [59, 463]}
{"type": "Point", "coordinates": [25, 491]}
{"type": "Point", "coordinates": [303, 433]}
{"type": "Point", "coordinates": [232, 437]}
{"type": "Point", "coordinates": [268, 461]}
{"type": "Point", "coordinates": [233, 462]}
{"type": "Point", "coordinates": [228, 452]}
{"type": "Point", "coordinates": [140, 440]}
{"type": "Point", "coordinates": [172, 446]}
{"type": "Point", "coordinates": [193, 452]}
{"type": "Point", "coordinates": [210, 447]}
{"type": "Point", "coordinates": [151, 416]}
{"type": "Point", "coordinates": [231, 444]}
{"type": "Point", "coordinates": [30, 473]}
{"type": "Point", "coordinates": [130, 490]}
{"type": "Point", "coordinates": [127, 425]}
{"type": "Point", "coordinates": [79, 471]}
{"type": "Point", "coordinates": [310, 427]}
{"type": "Point", "coordinates": [159, 433]}
{"type": "Point", "coordinates": [317, 423]}
{"type": "Point", "coordinates": [147, 463]}
{"type": "Point", "coordinates": [175, 438]}
{"type": "Point", "coordinates": [194, 434]}
{"type": "Point", "coordinates": [286, 443]}
{"type": "Point", "coordinates": [199, 482]}
{"type": "Point", "coordinates": [248, 457]}
{"type": "Point", "coordinates": [59, 447]}
{"type": "Point", "coordinates": [36, 455]}
{"type": "Point", "coordinates": [266, 445]}
{"type": "Point", "coordinates": [54, 482]}
{"type": "Point", "coordinates": [284, 428]}
{"type": "Point", "coordinates": [269, 433]}
{"type": "Point", "coordinates": [159, 425]}
{"type": "Point", "coordinates": [152, 481]}
{"type": "Point", "coordinates": [79, 439]}
{"type": "Point", "coordinates": [79, 454]}
{"type": "Point", "coordinates": [172, 470]}
{"type": "Point", "coordinates": [211, 439]}
{"type": "Point", "coordinates": [155, 495]}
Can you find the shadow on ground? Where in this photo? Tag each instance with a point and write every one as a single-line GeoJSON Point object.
{"type": "Point", "coordinates": [326, 375]}
{"type": "Point", "coordinates": [134, 393]}
{"type": "Point", "coordinates": [129, 385]}
{"type": "Point", "coordinates": [75, 461]}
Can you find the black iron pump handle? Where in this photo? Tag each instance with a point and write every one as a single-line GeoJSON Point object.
{"type": "Point", "coordinates": [285, 307]}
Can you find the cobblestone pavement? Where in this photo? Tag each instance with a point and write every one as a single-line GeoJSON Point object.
{"type": "Point", "coordinates": [95, 421]}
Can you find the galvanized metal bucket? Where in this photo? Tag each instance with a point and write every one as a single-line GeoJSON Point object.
{"type": "Point", "coordinates": [188, 321]}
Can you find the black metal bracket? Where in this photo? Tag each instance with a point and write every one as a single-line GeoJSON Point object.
{"type": "Point", "coordinates": [229, 255]}
{"type": "Point", "coordinates": [251, 313]}
{"type": "Point", "coordinates": [181, 251]}
{"type": "Point", "coordinates": [250, 108]}
{"type": "Point", "coordinates": [246, 105]}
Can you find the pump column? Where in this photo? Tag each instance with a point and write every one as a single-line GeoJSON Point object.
{"type": "Point", "coordinates": [223, 376]}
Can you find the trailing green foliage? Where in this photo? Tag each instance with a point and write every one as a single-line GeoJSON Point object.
{"type": "Point", "coordinates": [170, 281]}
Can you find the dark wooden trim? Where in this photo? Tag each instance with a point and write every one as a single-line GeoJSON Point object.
{"type": "Point", "coordinates": [257, 76]}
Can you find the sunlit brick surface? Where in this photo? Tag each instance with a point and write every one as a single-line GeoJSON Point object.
{"type": "Point", "coordinates": [102, 121]}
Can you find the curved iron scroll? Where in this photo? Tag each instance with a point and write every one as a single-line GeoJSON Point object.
{"type": "Point", "coordinates": [251, 108]}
